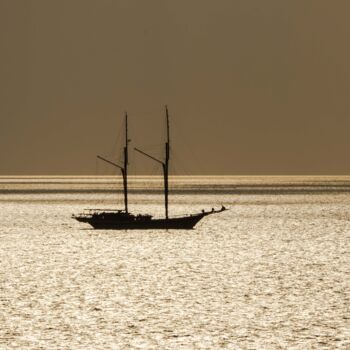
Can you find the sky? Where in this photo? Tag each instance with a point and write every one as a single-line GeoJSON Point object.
{"type": "Point", "coordinates": [253, 87]}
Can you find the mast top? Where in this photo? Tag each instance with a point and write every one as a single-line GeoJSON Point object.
{"type": "Point", "coordinates": [167, 144]}
{"type": "Point", "coordinates": [167, 123]}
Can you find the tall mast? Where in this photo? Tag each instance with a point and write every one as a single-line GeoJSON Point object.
{"type": "Point", "coordinates": [126, 160]}
{"type": "Point", "coordinates": [166, 163]}
{"type": "Point", "coordinates": [124, 168]}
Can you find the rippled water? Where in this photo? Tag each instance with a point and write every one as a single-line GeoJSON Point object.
{"type": "Point", "coordinates": [271, 273]}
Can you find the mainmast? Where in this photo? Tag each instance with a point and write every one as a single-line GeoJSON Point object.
{"type": "Point", "coordinates": [165, 163]}
{"type": "Point", "coordinates": [124, 168]}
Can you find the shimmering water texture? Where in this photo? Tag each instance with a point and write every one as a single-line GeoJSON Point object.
{"type": "Point", "coordinates": [271, 273]}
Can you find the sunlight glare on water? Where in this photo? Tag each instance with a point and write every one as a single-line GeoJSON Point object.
{"type": "Point", "coordinates": [270, 273]}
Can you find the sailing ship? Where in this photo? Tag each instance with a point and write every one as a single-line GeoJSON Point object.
{"type": "Point", "coordinates": [123, 219]}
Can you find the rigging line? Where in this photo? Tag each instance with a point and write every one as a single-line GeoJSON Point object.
{"type": "Point", "coordinates": [193, 155]}
{"type": "Point", "coordinates": [149, 112]}
{"type": "Point", "coordinates": [153, 146]}
{"type": "Point", "coordinates": [173, 169]}
{"type": "Point", "coordinates": [116, 147]}
{"type": "Point", "coordinates": [178, 165]}
{"type": "Point", "coordinates": [155, 170]}
{"type": "Point", "coordinates": [107, 169]}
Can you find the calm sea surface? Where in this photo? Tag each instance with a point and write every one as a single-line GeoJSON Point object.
{"type": "Point", "coordinates": [270, 273]}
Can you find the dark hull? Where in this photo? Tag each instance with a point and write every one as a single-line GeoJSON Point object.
{"type": "Point", "coordinates": [180, 223]}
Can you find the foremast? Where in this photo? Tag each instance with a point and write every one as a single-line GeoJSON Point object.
{"type": "Point", "coordinates": [126, 162]}
{"type": "Point", "coordinates": [124, 168]}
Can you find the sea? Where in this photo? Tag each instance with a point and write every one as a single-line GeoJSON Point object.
{"type": "Point", "coordinates": [272, 272]}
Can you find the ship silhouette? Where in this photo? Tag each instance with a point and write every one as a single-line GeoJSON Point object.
{"type": "Point", "coordinates": [123, 219]}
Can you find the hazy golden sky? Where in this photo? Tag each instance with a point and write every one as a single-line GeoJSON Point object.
{"type": "Point", "coordinates": [253, 86]}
